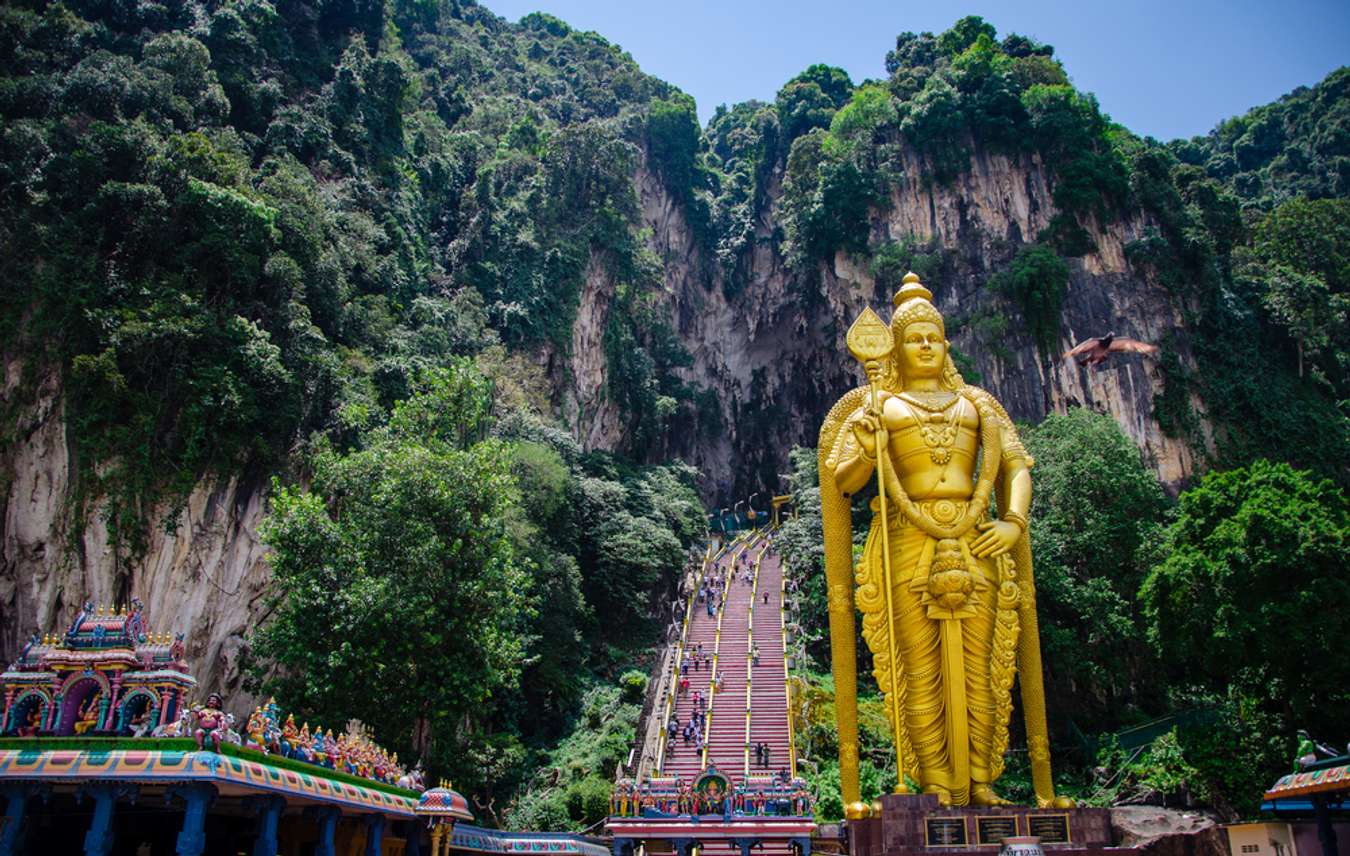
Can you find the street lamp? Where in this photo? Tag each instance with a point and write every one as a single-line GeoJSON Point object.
{"type": "Point", "coordinates": [752, 507]}
{"type": "Point", "coordinates": [736, 511]}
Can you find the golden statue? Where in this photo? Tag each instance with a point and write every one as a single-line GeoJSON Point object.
{"type": "Point", "coordinates": [946, 592]}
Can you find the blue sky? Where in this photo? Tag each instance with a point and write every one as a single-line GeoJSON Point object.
{"type": "Point", "coordinates": [1166, 69]}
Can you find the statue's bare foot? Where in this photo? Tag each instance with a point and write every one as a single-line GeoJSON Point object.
{"type": "Point", "coordinates": [944, 796]}
{"type": "Point", "coordinates": [1058, 802]}
{"type": "Point", "coordinates": [984, 795]}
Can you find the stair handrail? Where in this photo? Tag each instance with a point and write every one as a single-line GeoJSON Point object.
{"type": "Point", "coordinates": [750, 644]}
{"type": "Point", "coordinates": [787, 673]}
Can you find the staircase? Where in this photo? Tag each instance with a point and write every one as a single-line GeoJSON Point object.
{"type": "Point", "coordinates": [752, 705]}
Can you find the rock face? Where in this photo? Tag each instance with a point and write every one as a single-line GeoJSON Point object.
{"type": "Point", "coordinates": [203, 572]}
{"type": "Point", "coordinates": [774, 353]}
{"type": "Point", "coordinates": [1165, 832]}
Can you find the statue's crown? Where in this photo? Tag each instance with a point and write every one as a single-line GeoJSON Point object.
{"type": "Point", "coordinates": [914, 302]}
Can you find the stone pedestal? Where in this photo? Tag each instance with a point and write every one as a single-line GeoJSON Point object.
{"type": "Point", "coordinates": [918, 824]}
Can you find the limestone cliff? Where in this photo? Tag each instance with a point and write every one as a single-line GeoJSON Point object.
{"type": "Point", "coordinates": [777, 347]}
{"type": "Point", "coordinates": [203, 571]}
{"type": "Point", "coordinates": [774, 354]}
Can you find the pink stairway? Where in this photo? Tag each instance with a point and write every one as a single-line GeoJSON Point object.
{"type": "Point", "coordinates": [752, 705]}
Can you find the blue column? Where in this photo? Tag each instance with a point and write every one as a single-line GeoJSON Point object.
{"type": "Point", "coordinates": [192, 838]}
{"type": "Point", "coordinates": [621, 847]}
{"type": "Point", "coordinates": [269, 813]}
{"type": "Point", "coordinates": [803, 845]}
{"type": "Point", "coordinates": [374, 834]}
{"type": "Point", "coordinates": [684, 846]}
{"type": "Point", "coordinates": [98, 841]}
{"type": "Point", "coordinates": [412, 830]}
{"type": "Point", "coordinates": [1326, 833]}
{"type": "Point", "coordinates": [744, 844]}
{"type": "Point", "coordinates": [16, 795]}
{"type": "Point", "coordinates": [327, 816]}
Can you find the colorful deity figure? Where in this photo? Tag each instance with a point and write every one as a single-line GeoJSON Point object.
{"type": "Point", "coordinates": [256, 730]}
{"type": "Point", "coordinates": [342, 758]}
{"type": "Point", "coordinates": [33, 722]}
{"type": "Point", "coordinates": [88, 715]}
{"type": "Point", "coordinates": [331, 750]}
{"type": "Point", "coordinates": [209, 722]}
{"type": "Point", "coordinates": [304, 745]}
{"type": "Point", "coordinates": [318, 749]}
{"type": "Point", "coordinates": [289, 736]}
{"type": "Point", "coordinates": [272, 714]}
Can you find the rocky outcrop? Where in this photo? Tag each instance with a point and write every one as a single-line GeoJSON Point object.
{"type": "Point", "coordinates": [578, 376]}
{"type": "Point", "coordinates": [202, 574]}
{"type": "Point", "coordinates": [1165, 832]}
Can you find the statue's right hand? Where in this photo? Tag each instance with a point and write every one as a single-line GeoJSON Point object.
{"type": "Point", "coordinates": [866, 425]}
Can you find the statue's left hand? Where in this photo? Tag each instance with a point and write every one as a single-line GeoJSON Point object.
{"type": "Point", "coordinates": [997, 538]}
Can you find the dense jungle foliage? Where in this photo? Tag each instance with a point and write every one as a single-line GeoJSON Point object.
{"type": "Point", "coordinates": [346, 241]}
{"type": "Point", "coordinates": [486, 577]}
{"type": "Point", "coordinates": [238, 224]}
{"type": "Point", "coordinates": [322, 240]}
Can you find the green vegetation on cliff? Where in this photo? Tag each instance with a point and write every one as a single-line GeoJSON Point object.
{"type": "Point", "coordinates": [236, 225]}
{"type": "Point", "coordinates": [348, 243]}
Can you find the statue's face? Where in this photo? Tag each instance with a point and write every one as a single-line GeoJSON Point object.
{"type": "Point", "coordinates": [923, 350]}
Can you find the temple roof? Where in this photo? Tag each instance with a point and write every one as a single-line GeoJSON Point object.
{"type": "Point", "coordinates": [444, 802]}
{"type": "Point", "coordinates": [1333, 777]}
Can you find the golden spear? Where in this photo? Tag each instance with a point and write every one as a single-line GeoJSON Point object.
{"type": "Point", "coordinates": [870, 342]}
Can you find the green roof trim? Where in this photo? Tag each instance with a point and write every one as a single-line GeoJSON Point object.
{"type": "Point", "coordinates": [104, 745]}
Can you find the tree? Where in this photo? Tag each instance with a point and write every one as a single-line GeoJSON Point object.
{"type": "Point", "coordinates": [964, 33]}
{"type": "Point", "coordinates": [1037, 281]}
{"type": "Point", "coordinates": [1095, 505]}
{"type": "Point", "coordinates": [1250, 592]}
{"type": "Point", "coordinates": [809, 100]}
{"type": "Point", "coordinates": [398, 597]}
{"type": "Point", "coordinates": [1300, 263]}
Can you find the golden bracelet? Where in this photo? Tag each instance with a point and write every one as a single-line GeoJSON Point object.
{"type": "Point", "coordinates": [1014, 517]}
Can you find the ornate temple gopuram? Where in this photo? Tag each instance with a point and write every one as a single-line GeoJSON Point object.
{"type": "Point", "coordinates": [105, 750]}
{"type": "Point", "coordinates": [105, 675]}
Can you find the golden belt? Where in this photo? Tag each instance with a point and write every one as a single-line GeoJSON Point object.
{"type": "Point", "coordinates": [943, 512]}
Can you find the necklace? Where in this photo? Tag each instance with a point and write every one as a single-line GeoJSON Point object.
{"type": "Point", "coordinates": [934, 401]}
{"type": "Point", "coordinates": [937, 430]}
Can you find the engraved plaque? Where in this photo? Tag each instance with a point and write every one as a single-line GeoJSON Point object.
{"type": "Point", "coordinates": [1050, 828]}
{"type": "Point", "coordinates": [945, 831]}
{"type": "Point", "coordinates": [992, 830]}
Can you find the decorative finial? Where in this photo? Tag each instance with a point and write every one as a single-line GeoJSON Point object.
{"type": "Point", "coordinates": [910, 287]}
